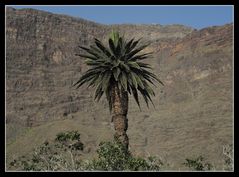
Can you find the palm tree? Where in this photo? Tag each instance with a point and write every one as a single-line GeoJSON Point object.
{"type": "Point", "coordinates": [116, 71]}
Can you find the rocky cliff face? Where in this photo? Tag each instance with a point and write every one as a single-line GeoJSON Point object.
{"type": "Point", "coordinates": [193, 113]}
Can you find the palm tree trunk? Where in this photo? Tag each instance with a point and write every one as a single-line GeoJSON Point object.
{"type": "Point", "coordinates": [120, 110]}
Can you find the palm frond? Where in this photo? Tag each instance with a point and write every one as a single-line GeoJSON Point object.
{"type": "Point", "coordinates": [123, 80]}
{"type": "Point", "coordinates": [133, 45]}
{"type": "Point", "coordinates": [141, 56]}
{"type": "Point", "coordinates": [102, 47]}
{"type": "Point", "coordinates": [135, 94]}
{"type": "Point", "coordinates": [98, 92]}
{"type": "Point", "coordinates": [134, 65]}
{"type": "Point", "coordinates": [116, 73]}
{"type": "Point", "coordinates": [137, 50]}
{"type": "Point", "coordinates": [119, 63]}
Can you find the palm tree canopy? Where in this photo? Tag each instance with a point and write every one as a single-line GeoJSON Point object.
{"type": "Point", "coordinates": [120, 63]}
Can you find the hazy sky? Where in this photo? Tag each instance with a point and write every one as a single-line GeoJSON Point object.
{"type": "Point", "coordinates": [195, 16]}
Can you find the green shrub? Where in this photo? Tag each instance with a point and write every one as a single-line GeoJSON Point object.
{"type": "Point", "coordinates": [70, 140]}
{"type": "Point", "coordinates": [112, 156]}
{"type": "Point", "coordinates": [198, 164]}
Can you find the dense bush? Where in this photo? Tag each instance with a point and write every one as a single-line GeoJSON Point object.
{"type": "Point", "coordinates": [112, 156]}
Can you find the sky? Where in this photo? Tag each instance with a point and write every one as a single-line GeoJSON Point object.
{"type": "Point", "coordinates": [197, 17]}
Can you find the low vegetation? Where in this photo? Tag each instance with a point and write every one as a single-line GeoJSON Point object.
{"type": "Point", "coordinates": [198, 164]}
{"type": "Point", "coordinates": [113, 156]}
{"type": "Point", "coordinates": [64, 153]}
{"type": "Point", "coordinates": [228, 157]}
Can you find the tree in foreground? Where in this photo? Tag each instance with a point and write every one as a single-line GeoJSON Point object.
{"type": "Point", "coordinates": [116, 71]}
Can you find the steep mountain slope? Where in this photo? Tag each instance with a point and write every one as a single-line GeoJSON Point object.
{"type": "Point", "coordinates": [193, 113]}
